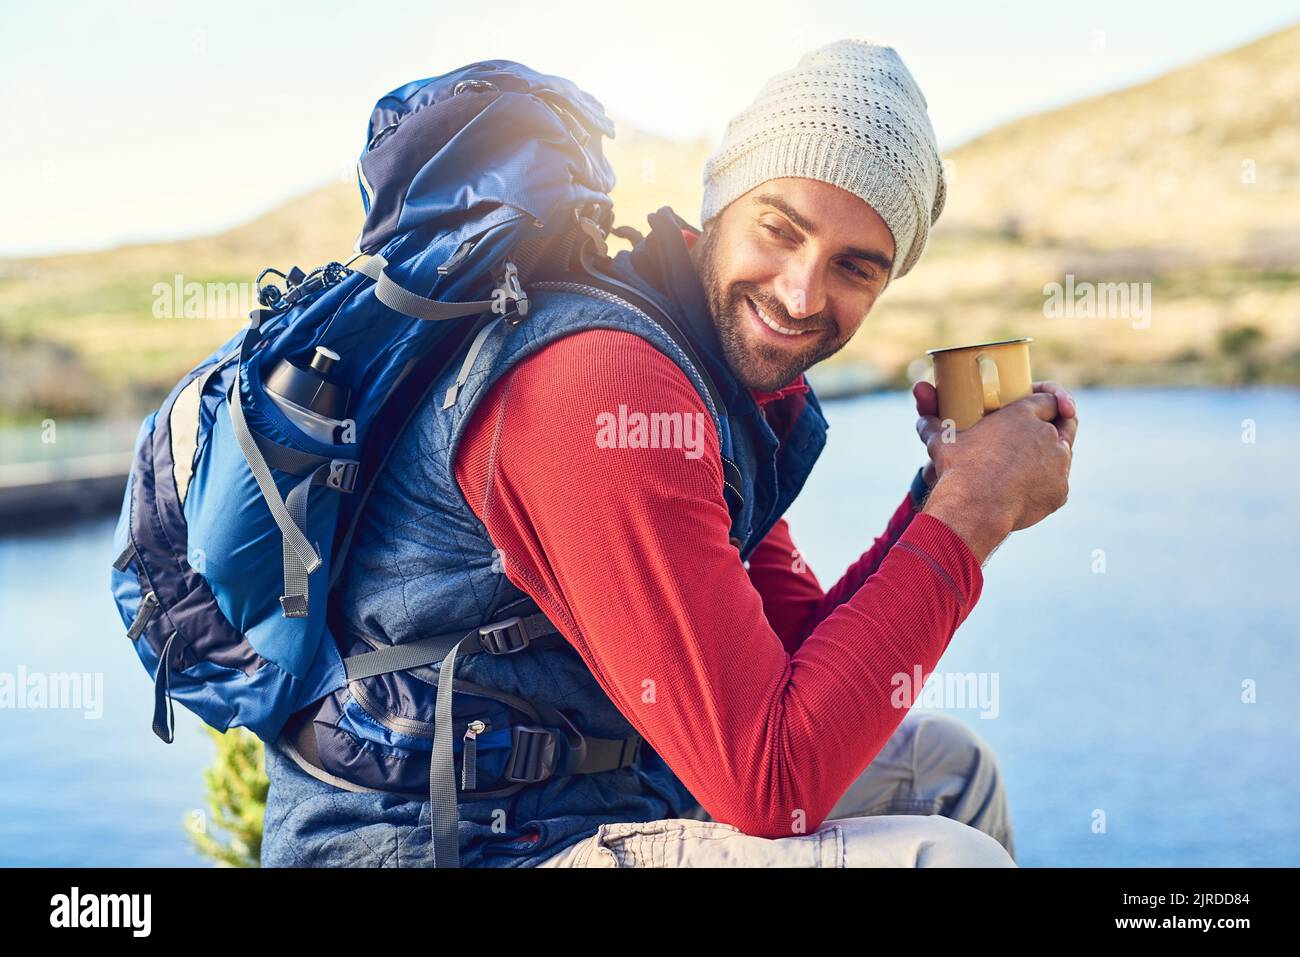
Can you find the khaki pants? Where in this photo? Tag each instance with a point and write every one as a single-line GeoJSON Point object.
{"type": "Point", "coordinates": [933, 797]}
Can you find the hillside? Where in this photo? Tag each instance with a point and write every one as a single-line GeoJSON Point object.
{"type": "Point", "coordinates": [78, 334]}
{"type": "Point", "coordinates": [1190, 182]}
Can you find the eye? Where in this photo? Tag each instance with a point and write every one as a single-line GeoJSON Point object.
{"type": "Point", "coordinates": [858, 272]}
{"type": "Point", "coordinates": [774, 231]}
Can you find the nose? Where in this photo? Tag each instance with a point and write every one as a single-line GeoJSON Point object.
{"type": "Point", "coordinates": [800, 289]}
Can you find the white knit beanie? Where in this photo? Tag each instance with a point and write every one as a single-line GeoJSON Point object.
{"type": "Point", "coordinates": [851, 115]}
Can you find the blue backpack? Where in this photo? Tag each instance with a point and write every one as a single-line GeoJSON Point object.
{"type": "Point", "coordinates": [236, 518]}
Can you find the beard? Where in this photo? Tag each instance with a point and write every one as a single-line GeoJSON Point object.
{"type": "Point", "coordinates": [759, 365]}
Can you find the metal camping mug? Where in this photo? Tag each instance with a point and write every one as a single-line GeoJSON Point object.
{"type": "Point", "coordinates": [974, 380]}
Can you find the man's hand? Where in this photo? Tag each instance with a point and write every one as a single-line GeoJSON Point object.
{"type": "Point", "coordinates": [1008, 471]}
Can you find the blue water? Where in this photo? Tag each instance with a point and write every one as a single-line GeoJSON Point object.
{"type": "Point", "coordinates": [1122, 691]}
{"type": "Point", "coordinates": [79, 790]}
{"type": "Point", "coordinates": [1118, 692]}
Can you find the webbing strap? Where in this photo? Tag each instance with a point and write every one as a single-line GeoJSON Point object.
{"type": "Point", "coordinates": [164, 719]}
{"type": "Point", "coordinates": [294, 538]}
{"type": "Point", "coordinates": [300, 558]}
{"type": "Point", "coordinates": [428, 651]}
{"type": "Point", "coordinates": [285, 459]}
{"type": "Point", "coordinates": [485, 327]}
{"type": "Point", "coordinates": [444, 815]}
{"type": "Point", "coordinates": [294, 599]}
{"type": "Point", "coordinates": [586, 755]}
{"type": "Point", "coordinates": [410, 304]}
{"type": "Point", "coordinates": [609, 754]}
{"type": "Point", "coordinates": [593, 755]}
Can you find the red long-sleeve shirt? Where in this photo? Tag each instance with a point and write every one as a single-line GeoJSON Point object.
{"type": "Point", "coordinates": [765, 695]}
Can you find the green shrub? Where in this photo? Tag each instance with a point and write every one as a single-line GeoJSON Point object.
{"type": "Point", "coordinates": [236, 786]}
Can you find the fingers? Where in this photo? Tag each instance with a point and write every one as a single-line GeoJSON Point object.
{"type": "Point", "coordinates": [1064, 401]}
{"type": "Point", "coordinates": [1050, 402]}
{"type": "Point", "coordinates": [1068, 429]}
{"type": "Point", "coordinates": [927, 399]}
{"type": "Point", "coordinates": [927, 409]}
{"type": "Point", "coordinates": [1042, 404]}
{"type": "Point", "coordinates": [1067, 423]}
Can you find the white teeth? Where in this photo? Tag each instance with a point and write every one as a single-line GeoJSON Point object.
{"type": "Point", "coordinates": [774, 325]}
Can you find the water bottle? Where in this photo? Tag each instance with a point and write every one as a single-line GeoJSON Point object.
{"type": "Point", "coordinates": [308, 398]}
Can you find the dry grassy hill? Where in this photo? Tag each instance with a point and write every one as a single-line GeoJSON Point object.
{"type": "Point", "coordinates": [78, 334]}
{"type": "Point", "coordinates": [1190, 182]}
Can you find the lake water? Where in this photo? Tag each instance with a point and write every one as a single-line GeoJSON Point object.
{"type": "Point", "coordinates": [1142, 644]}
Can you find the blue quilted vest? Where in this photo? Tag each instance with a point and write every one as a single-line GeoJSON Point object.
{"type": "Point", "coordinates": [422, 563]}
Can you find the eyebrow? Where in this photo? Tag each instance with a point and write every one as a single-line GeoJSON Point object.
{"type": "Point", "coordinates": [869, 255]}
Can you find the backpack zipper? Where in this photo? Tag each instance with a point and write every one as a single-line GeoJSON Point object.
{"type": "Point", "coordinates": [469, 763]}
{"type": "Point", "coordinates": [456, 258]}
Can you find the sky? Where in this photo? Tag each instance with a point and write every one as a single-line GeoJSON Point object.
{"type": "Point", "coordinates": [146, 120]}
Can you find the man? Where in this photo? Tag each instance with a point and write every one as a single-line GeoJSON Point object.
{"type": "Point", "coordinates": [588, 468]}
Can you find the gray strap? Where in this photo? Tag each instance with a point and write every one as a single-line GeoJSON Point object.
{"type": "Point", "coordinates": [294, 599]}
{"type": "Point", "coordinates": [444, 816]}
{"type": "Point", "coordinates": [293, 536]}
{"type": "Point", "coordinates": [413, 654]}
{"type": "Point", "coordinates": [284, 459]}
{"type": "Point", "coordinates": [428, 651]}
{"type": "Point", "coordinates": [408, 303]}
{"type": "Point", "coordinates": [450, 399]}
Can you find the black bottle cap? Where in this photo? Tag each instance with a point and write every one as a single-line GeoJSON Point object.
{"type": "Point", "coordinates": [309, 388]}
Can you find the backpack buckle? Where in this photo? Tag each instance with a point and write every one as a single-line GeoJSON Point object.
{"type": "Point", "coordinates": [512, 291]}
{"type": "Point", "coordinates": [532, 754]}
{"type": "Point", "coordinates": [342, 475]}
{"type": "Point", "coordinates": [504, 637]}
{"type": "Point", "coordinates": [630, 753]}
{"type": "Point", "coordinates": [591, 229]}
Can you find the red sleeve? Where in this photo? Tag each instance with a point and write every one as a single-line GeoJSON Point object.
{"type": "Point", "coordinates": [793, 600]}
{"type": "Point", "coordinates": [626, 550]}
{"type": "Point", "coordinates": [787, 586]}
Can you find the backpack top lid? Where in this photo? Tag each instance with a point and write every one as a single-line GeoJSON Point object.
{"type": "Point", "coordinates": [494, 133]}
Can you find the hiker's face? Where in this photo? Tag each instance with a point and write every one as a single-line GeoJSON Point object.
{"type": "Point", "coordinates": [811, 256]}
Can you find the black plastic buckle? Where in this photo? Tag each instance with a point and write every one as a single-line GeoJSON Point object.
{"type": "Point", "coordinates": [342, 475]}
{"type": "Point", "coordinates": [629, 760]}
{"type": "Point", "coordinates": [504, 637]}
{"type": "Point", "coordinates": [532, 754]}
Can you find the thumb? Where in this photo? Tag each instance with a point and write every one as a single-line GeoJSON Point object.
{"type": "Point", "coordinates": [927, 399]}
{"type": "Point", "coordinates": [927, 427]}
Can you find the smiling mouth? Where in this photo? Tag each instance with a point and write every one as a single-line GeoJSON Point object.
{"type": "Point", "coordinates": [760, 316]}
